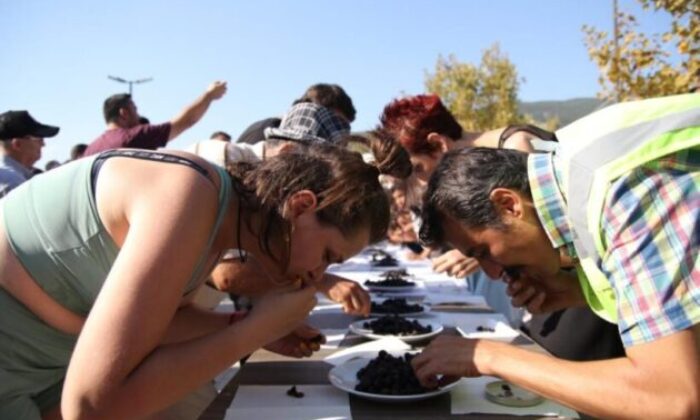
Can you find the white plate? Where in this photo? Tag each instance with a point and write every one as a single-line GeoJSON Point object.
{"type": "Point", "coordinates": [344, 376]}
{"type": "Point", "coordinates": [425, 310]}
{"type": "Point", "coordinates": [358, 329]}
{"type": "Point", "coordinates": [501, 331]}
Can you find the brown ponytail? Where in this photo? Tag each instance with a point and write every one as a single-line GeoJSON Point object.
{"type": "Point", "coordinates": [390, 158]}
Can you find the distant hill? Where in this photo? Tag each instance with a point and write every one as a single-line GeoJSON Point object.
{"type": "Point", "coordinates": [567, 110]}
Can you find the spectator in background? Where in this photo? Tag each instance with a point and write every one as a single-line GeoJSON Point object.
{"type": "Point", "coordinates": [22, 139]}
{"type": "Point", "coordinates": [221, 135]}
{"type": "Point", "coordinates": [77, 151]}
{"type": "Point", "coordinates": [52, 164]}
{"type": "Point", "coordinates": [330, 96]}
{"type": "Point", "coordinates": [124, 130]}
{"type": "Point", "coordinates": [213, 149]}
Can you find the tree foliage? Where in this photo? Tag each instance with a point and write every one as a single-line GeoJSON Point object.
{"type": "Point", "coordinates": [644, 66]}
{"type": "Point", "coordinates": [480, 97]}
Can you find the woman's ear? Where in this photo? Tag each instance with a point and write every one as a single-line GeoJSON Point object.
{"type": "Point", "coordinates": [286, 147]}
{"type": "Point", "coordinates": [300, 202]}
{"type": "Point", "coordinates": [507, 202]}
{"type": "Point", "coordinates": [439, 142]}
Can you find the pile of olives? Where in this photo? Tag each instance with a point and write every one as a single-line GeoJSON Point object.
{"type": "Point", "coordinates": [389, 375]}
{"type": "Point", "coordinates": [396, 325]}
{"type": "Point", "coordinates": [395, 306]}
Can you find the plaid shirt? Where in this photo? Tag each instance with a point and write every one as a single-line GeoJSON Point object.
{"type": "Point", "coordinates": [307, 122]}
{"type": "Point", "coordinates": [651, 225]}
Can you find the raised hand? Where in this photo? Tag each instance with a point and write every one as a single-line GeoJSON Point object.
{"type": "Point", "coordinates": [216, 90]}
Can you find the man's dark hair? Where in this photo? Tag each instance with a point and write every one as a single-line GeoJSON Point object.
{"type": "Point", "coordinates": [77, 151]}
{"type": "Point", "coordinates": [330, 96]}
{"type": "Point", "coordinates": [222, 135]}
{"type": "Point", "coordinates": [113, 104]}
{"type": "Point", "coordinates": [461, 186]}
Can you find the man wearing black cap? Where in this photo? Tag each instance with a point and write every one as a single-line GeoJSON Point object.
{"type": "Point", "coordinates": [22, 138]}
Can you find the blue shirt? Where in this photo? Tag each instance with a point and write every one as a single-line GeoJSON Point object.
{"type": "Point", "coordinates": [12, 173]}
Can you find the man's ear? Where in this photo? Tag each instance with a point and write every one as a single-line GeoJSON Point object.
{"type": "Point", "coordinates": [124, 113]}
{"type": "Point", "coordinates": [440, 142]}
{"type": "Point", "coordinates": [508, 203]}
{"type": "Point", "coordinates": [300, 202]}
{"type": "Point", "coordinates": [16, 144]}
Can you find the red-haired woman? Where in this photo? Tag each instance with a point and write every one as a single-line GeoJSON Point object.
{"type": "Point", "coordinates": [427, 130]}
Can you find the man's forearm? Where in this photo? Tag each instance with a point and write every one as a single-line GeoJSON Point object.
{"type": "Point", "coordinates": [193, 113]}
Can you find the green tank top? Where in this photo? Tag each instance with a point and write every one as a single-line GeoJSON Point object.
{"type": "Point", "coordinates": [54, 229]}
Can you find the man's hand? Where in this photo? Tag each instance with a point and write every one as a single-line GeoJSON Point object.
{"type": "Point", "coordinates": [301, 342]}
{"type": "Point", "coordinates": [451, 358]}
{"type": "Point", "coordinates": [350, 294]}
{"type": "Point", "coordinates": [216, 90]}
{"type": "Point", "coordinates": [542, 295]}
{"type": "Point", "coordinates": [455, 264]}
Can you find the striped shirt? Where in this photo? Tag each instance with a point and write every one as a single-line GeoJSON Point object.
{"type": "Point", "coordinates": [651, 233]}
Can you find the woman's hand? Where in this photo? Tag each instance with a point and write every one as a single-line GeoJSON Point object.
{"type": "Point", "coordinates": [455, 264]}
{"type": "Point", "coordinates": [350, 294]}
{"type": "Point", "coordinates": [278, 314]}
{"type": "Point", "coordinates": [301, 342]}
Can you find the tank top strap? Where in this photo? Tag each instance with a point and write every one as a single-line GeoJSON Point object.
{"type": "Point", "coordinates": [225, 192]}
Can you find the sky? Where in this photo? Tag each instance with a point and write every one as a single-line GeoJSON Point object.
{"type": "Point", "coordinates": [55, 56]}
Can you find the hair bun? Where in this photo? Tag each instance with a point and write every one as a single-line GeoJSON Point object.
{"type": "Point", "coordinates": [390, 158]}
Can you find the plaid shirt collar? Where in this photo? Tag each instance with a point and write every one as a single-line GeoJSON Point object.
{"type": "Point", "coordinates": [545, 185]}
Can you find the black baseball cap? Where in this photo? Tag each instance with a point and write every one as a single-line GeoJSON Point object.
{"type": "Point", "coordinates": [15, 124]}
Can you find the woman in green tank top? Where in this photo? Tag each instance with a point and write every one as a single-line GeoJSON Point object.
{"type": "Point", "coordinates": [99, 257]}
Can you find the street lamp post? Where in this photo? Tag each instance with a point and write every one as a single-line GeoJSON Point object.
{"type": "Point", "coordinates": [616, 59]}
{"type": "Point", "coordinates": [131, 83]}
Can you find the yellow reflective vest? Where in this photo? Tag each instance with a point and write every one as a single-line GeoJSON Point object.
{"type": "Point", "coordinates": [598, 149]}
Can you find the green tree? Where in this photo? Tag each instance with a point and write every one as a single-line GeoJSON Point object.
{"type": "Point", "coordinates": [480, 97]}
{"type": "Point", "coordinates": [644, 66]}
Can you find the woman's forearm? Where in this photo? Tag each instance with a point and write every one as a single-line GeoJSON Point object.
{"type": "Point", "coordinates": [168, 374]}
{"type": "Point", "coordinates": [191, 322]}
